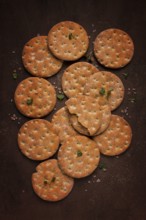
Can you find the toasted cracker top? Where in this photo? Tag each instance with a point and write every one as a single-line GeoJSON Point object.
{"type": "Point", "coordinates": [113, 48]}
{"type": "Point", "coordinates": [75, 77]}
{"type": "Point", "coordinates": [49, 183]}
{"type": "Point", "coordinates": [35, 97]}
{"type": "Point", "coordinates": [107, 84]}
{"type": "Point", "coordinates": [38, 59]}
{"type": "Point", "coordinates": [68, 40]}
{"type": "Point", "coordinates": [117, 137]}
{"type": "Point", "coordinates": [78, 156]}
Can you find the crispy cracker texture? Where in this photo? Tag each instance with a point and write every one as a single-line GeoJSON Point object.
{"type": "Point", "coordinates": [79, 156]}
{"type": "Point", "coordinates": [35, 97]}
{"type": "Point", "coordinates": [68, 40]}
{"type": "Point", "coordinates": [37, 58]}
{"type": "Point", "coordinates": [108, 85]}
{"type": "Point", "coordinates": [37, 139]}
{"type": "Point", "coordinates": [49, 183]}
{"type": "Point", "coordinates": [113, 48]}
{"type": "Point", "coordinates": [75, 77]}
{"type": "Point", "coordinates": [117, 137]}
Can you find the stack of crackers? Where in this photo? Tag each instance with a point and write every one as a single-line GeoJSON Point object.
{"type": "Point", "coordinates": [85, 127]}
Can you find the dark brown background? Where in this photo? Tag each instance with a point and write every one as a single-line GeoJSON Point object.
{"type": "Point", "coordinates": [121, 194]}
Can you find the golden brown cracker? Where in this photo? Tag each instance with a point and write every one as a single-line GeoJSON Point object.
{"type": "Point", "coordinates": [117, 137]}
{"type": "Point", "coordinates": [38, 59]}
{"type": "Point", "coordinates": [78, 156]}
{"type": "Point", "coordinates": [113, 48]}
{"type": "Point", "coordinates": [68, 40]}
{"type": "Point", "coordinates": [35, 97]}
{"type": "Point", "coordinates": [49, 183]}
{"type": "Point", "coordinates": [37, 139]}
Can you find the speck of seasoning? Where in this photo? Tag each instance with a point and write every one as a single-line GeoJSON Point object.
{"type": "Point", "coordinates": [132, 99]}
{"type": "Point", "coordinates": [109, 93]}
{"type": "Point", "coordinates": [71, 36]}
{"type": "Point", "coordinates": [102, 91]}
{"type": "Point", "coordinates": [13, 51]}
{"type": "Point", "coordinates": [45, 181]}
{"type": "Point", "coordinates": [89, 181]}
{"type": "Point", "coordinates": [94, 30]}
{"type": "Point", "coordinates": [11, 100]}
{"type": "Point", "coordinates": [125, 75]}
{"type": "Point", "coordinates": [79, 153]}
{"type": "Point", "coordinates": [15, 75]}
{"type": "Point", "coordinates": [29, 101]}
{"type": "Point", "coordinates": [86, 190]}
{"type": "Point", "coordinates": [98, 180]}
{"type": "Point", "coordinates": [117, 157]}
{"type": "Point", "coordinates": [53, 179]}
{"type": "Point", "coordinates": [60, 97]}
{"type": "Point", "coordinates": [14, 117]}
{"type": "Point", "coordinates": [102, 166]}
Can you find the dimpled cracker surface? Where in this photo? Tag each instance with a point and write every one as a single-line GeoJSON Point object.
{"type": "Point", "coordinates": [77, 125]}
{"type": "Point", "coordinates": [62, 125]}
{"type": "Point", "coordinates": [75, 77]}
{"type": "Point", "coordinates": [88, 111]}
{"type": "Point", "coordinates": [37, 139]}
{"type": "Point", "coordinates": [113, 48]}
{"type": "Point", "coordinates": [78, 156]}
{"type": "Point", "coordinates": [49, 183]}
{"type": "Point", "coordinates": [37, 58]}
{"type": "Point", "coordinates": [35, 97]}
{"type": "Point", "coordinates": [117, 137]}
{"type": "Point", "coordinates": [105, 118]}
{"type": "Point", "coordinates": [104, 83]}
{"type": "Point", "coordinates": [68, 40]}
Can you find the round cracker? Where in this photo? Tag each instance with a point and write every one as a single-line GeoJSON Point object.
{"type": "Point", "coordinates": [113, 48]}
{"type": "Point", "coordinates": [35, 97]}
{"type": "Point", "coordinates": [49, 183]}
{"type": "Point", "coordinates": [117, 137]}
{"type": "Point", "coordinates": [79, 156]}
{"type": "Point", "coordinates": [75, 77]}
{"type": "Point", "coordinates": [104, 83]}
{"type": "Point", "coordinates": [89, 115]}
{"type": "Point", "coordinates": [37, 139]}
{"type": "Point", "coordinates": [68, 40]}
{"type": "Point", "coordinates": [105, 118]}
{"type": "Point", "coordinates": [37, 58]}
{"type": "Point", "coordinates": [62, 125]}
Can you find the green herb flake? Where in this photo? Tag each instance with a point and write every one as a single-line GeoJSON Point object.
{"type": "Point", "coordinates": [60, 96]}
{"type": "Point", "coordinates": [79, 153]}
{"type": "Point", "coordinates": [53, 179]}
{"type": "Point", "coordinates": [102, 167]}
{"type": "Point", "coordinates": [45, 181]}
{"type": "Point", "coordinates": [71, 36]}
{"type": "Point", "coordinates": [109, 93]}
{"type": "Point", "coordinates": [102, 91]}
{"type": "Point", "coordinates": [125, 75]}
{"type": "Point", "coordinates": [15, 75]}
{"type": "Point", "coordinates": [132, 100]}
{"type": "Point", "coordinates": [29, 101]}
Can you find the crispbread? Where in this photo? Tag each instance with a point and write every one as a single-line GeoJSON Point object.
{"type": "Point", "coordinates": [104, 83]}
{"type": "Point", "coordinates": [117, 137]}
{"type": "Point", "coordinates": [49, 183]}
{"type": "Point", "coordinates": [113, 48]}
{"type": "Point", "coordinates": [105, 118]}
{"type": "Point", "coordinates": [37, 58]}
{"type": "Point", "coordinates": [75, 77]}
{"type": "Point", "coordinates": [68, 40]}
{"type": "Point", "coordinates": [77, 125]}
{"type": "Point", "coordinates": [35, 97]}
{"type": "Point", "coordinates": [89, 115]}
{"type": "Point", "coordinates": [62, 125]}
{"type": "Point", "coordinates": [37, 139]}
{"type": "Point", "coordinates": [78, 156]}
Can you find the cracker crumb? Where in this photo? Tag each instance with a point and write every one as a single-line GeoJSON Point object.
{"type": "Point", "coordinates": [98, 180]}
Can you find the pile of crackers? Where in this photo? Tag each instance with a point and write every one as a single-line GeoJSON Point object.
{"type": "Point", "coordinates": [86, 126]}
